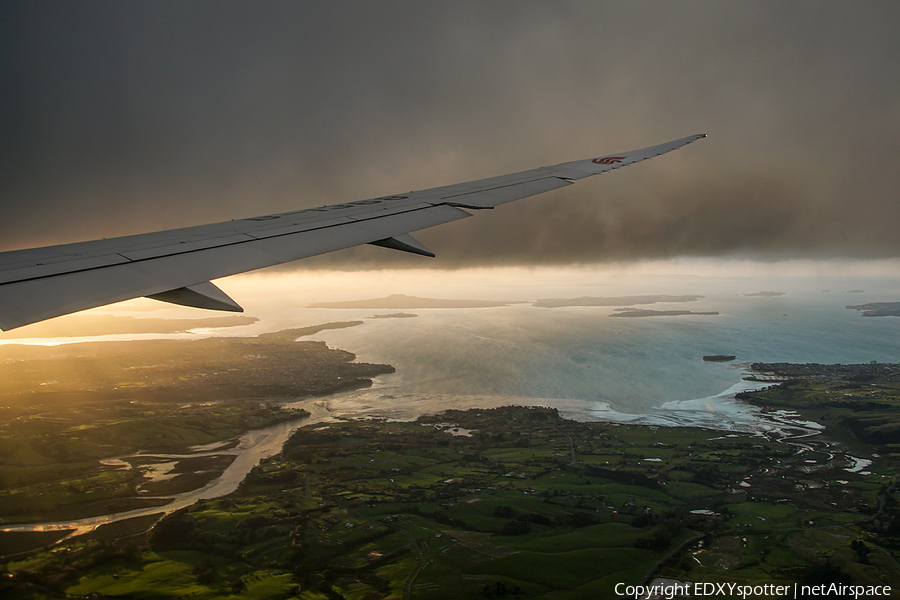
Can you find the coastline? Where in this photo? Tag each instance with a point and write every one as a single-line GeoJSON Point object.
{"type": "Point", "coordinates": [719, 412]}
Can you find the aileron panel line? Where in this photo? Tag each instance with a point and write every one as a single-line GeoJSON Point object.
{"type": "Point", "coordinates": [502, 194]}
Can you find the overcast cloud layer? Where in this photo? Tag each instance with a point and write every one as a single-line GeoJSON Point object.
{"type": "Point", "coordinates": [117, 118]}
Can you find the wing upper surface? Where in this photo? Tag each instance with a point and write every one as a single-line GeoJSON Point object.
{"type": "Point", "coordinates": [42, 283]}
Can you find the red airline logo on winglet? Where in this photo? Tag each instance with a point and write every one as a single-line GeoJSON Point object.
{"type": "Point", "coordinates": [609, 160]}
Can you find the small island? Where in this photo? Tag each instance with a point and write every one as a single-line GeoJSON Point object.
{"type": "Point", "coordinates": [659, 313]}
{"type": "Point", "coordinates": [719, 357]}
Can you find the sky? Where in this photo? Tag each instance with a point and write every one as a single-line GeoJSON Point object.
{"type": "Point", "coordinates": [123, 117]}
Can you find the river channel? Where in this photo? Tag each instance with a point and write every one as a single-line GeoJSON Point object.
{"type": "Point", "coordinates": [253, 446]}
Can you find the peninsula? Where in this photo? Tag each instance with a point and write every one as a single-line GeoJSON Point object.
{"type": "Point", "coordinates": [878, 309]}
{"type": "Point", "coordinates": [86, 325]}
{"type": "Point", "coordinates": [658, 313]}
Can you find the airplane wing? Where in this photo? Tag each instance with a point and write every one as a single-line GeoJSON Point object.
{"type": "Point", "coordinates": [178, 265]}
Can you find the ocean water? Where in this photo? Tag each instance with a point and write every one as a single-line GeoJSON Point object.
{"type": "Point", "coordinates": [581, 360]}
{"type": "Point", "coordinates": [592, 365]}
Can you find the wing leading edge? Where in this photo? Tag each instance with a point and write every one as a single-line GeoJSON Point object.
{"type": "Point", "coordinates": [178, 265]}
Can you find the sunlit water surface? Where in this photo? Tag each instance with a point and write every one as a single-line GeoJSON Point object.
{"type": "Point", "coordinates": [583, 360]}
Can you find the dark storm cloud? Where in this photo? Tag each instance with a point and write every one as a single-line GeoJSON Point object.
{"type": "Point", "coordinates": [126, 117]}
